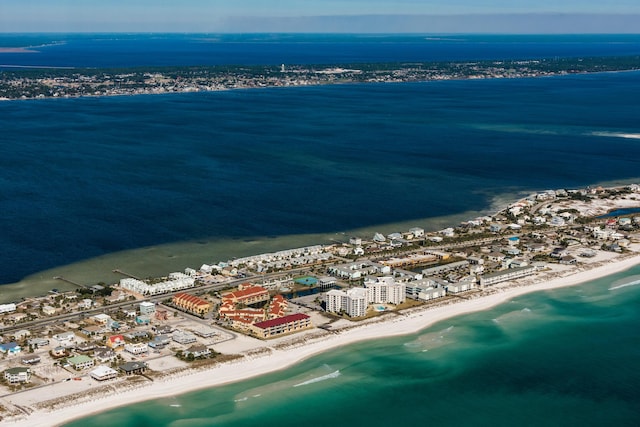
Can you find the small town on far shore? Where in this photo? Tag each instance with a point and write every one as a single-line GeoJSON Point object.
{"type": "Point", "coordinates": [21, 83]}
{"type": "Point", "coordinates": [139, 330]}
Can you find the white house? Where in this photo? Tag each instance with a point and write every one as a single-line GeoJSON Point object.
{"type": "Point", "coordinates": [136, 348]}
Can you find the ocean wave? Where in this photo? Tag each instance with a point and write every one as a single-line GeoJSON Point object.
{"type": "Point", "coordinates": [624, 285]}
{"type": "Point", "coordinates": [335, 374]}
{"type": "Point", "coordinates": [617, 135]}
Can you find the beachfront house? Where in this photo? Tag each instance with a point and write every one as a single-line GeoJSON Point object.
{"type": "Point", "coordinates": [134, 368]}
{"type": "Point", "coordinates": [103, 373]}
{"type": "Point", "coordinates": [19, 375]}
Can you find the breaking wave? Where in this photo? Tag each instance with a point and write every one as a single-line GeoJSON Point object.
{"type": "Point", "coordinates": [617, 135]}
{"type": "Point", "coordinates": [335, 374]}
{"type": "Point", "coordinates": [624, 285]}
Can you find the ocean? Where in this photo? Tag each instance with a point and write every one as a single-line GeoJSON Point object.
{"type": "Point", "coordinates": [566, 357]}
{"type": "Point", "coordinates": [153, 184]}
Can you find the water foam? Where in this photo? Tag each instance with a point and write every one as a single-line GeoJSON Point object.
{"type": "Point", "coordinates": [617, 135]}
{"type": "Point", "coordinates": [335, 374]}
{"type": "Point", "coordinates": [624, 285]}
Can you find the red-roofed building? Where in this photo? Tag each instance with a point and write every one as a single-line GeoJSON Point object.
{"type": "Point", "coordinates": [191, 304]}
{"type": "Point", "coordinates": [277, 307]}
{"type": "Point", "coordinates": [247, 295]}
{"type": "Point", "coordinates": [283, 325]}
{"type": "Point", "coordinates": [115, 342]}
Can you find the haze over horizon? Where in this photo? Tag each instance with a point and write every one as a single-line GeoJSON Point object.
{"type": "Point", "coordinates": [329, 16]}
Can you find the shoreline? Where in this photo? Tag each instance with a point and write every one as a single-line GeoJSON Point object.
{"type": "Point", "coordinates": [411, 321]}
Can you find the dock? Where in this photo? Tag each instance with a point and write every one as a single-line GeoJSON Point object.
{"type": "Point", "coordinates": [125, 274]}
{"type": "Point", "coordinates": [70, 281]}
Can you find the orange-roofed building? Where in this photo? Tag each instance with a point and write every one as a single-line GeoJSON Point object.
{"type": "Point", "coordinates": [247, 295]}
{"type": "Point", "coordinates": [115, 342]}
{"type": "Point", "coordinates": [277, 307]}
{"type": "Point", "coordinates": [191, 304]}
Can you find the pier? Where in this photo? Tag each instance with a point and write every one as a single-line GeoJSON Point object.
{"type": "Point", "coordinates": [125, 274]}
{"type": "Point", "coordinates": [70, 281]}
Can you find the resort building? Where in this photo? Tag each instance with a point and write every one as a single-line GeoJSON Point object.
{"type": "Point", "coordinates": [283, 325]}
{"type": "Point", "coordinates": [103, 373]}
{"type": "Point", "coordinates": [445, 268]}
{"type": "Point", "coordinates": [385, 290]}
{"type": "Point", "coordinates": [191, 304]}
{"type": "Point", "coordinates": [247, 294]}
{"type": "Point", "coordinates": [18, 375]}
{"type": "Point", "coordinates": [505, 275]}
{"type": "Point", "coordinates": [353, 301]}
{"type": "Point", "coordinates": [176, 282]}
{"type": "Point", "coordinates": [277, 307]}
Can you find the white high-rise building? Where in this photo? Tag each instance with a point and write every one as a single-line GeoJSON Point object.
{"type": "Point", "coordinates": [385, 290]}
{"type": "Point", "coordinates": [353, 301]}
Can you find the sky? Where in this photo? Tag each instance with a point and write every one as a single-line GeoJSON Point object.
{"type": "Point", "coordinates": [319, 15]}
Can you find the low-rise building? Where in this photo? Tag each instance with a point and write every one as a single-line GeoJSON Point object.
{"type": "Point", "coordinates": [183, 337]}
{"type": "Point", "coordinates": [191, 304]}
{"type": "Point", "coordinates": [505, 275]}
{"type": "Point", "coordinates": [197, 351]}
{"type": "Point", "coordinates": [136, 348]}
{"type": "Point", "coordinates": [80, 362]}
{"type": "Point", "coordinates": [132, 368]}
{"type": "Point", "coordinates": [10, 348]}
{"type": "Point", "coordinates": [147, 308]}
{"type": "Point", "coordinates": [247, 295]}
{"type": "Point", "coordinates": [103, 373]}
{"type": "Point", "coordinates": [19, 375]}
{"type": "Point", "coordinates": [116, 342]}
{"type": "Point", "coordinates": [283, 325]}
{"type": "Point", "coordinates": [32, 359]}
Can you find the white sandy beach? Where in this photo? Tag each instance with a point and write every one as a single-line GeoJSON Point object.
{"type": "Point", "coordinates": [279, 359]}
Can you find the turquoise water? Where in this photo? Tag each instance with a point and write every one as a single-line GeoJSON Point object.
{"type": "Point", "coordinates": [567, 357]}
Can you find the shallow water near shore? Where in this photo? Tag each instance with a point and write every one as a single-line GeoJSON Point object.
{"type": "Point", "coordinates": [562, 357]}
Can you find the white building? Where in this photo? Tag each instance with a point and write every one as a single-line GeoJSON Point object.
{"type": "Point", "coordinates": [385, 290]}
{"type": "Point", "coordinates": [7, 308]}
{"type": "Point", "coordinates": [175, 282]}
{"type": "Point", "coordinates": [136, 348]}
{"type": "Point", "coordinates": [147, 308]}
{"type": "Point", "coordinates": [353, 301]}
{"type": "Point", "coordinates": [417, 232]}
{"type": "Point", "coordinates": [102, 373]}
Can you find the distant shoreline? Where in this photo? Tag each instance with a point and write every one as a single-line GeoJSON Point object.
{"type": "Point", "coordinates": [36, 82]}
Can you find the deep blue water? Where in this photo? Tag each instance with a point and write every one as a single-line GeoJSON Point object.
{"type": "Point", "coordinates": [83, 177]}
{"type": "Point", "coordinates": [121, 50]}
